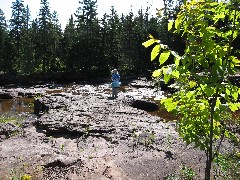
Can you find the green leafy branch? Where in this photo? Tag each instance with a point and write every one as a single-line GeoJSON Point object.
{"type": "Point", "coordinates": [203, 72]}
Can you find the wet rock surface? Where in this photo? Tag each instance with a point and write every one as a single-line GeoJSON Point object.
{"type": "Point", "coordinates": [84, 134]}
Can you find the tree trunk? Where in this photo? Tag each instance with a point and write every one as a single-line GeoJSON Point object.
{"type": "Point", "coordinates": [210, 149]}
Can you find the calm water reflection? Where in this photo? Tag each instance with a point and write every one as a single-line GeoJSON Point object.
{"type": "Point", "coordinates": [16, 106]}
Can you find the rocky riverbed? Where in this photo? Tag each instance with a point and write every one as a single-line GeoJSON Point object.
{"type": "Point", "coordinates": [79, 132]}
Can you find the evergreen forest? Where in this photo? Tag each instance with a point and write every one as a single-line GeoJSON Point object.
{"type": "Point", "coordinates": [195, 44]}
{"type": "Point", "coordinates": [89, 46]}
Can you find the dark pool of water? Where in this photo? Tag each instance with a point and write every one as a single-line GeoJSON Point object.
{"type": "Point", "coordinates": [163, 113]}
{"type": "Point", "coordinates": [56, 91]}
{"type": "Point", "coordinates": [169, 116]}
{"type": "Point", "coordinates": [17, 106]}
{"type": "Point", "coordinates": [21, 105]}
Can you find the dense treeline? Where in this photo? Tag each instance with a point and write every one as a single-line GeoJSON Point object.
{"type": "Point", "coordinates": [88, 46]}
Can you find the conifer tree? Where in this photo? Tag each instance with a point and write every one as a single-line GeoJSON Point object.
{"type": "Point", "coordinates": [35, 40]}
{"type": "Point", "coordinates": [55, 39]}
{"type": "Point", "coordinates": [17, 23]}
{"type": "Point", "coordinates": [27, 65]}
{"type": "Point", "coordinates": [111, 38]}
{"type": "Point", "coordinates": [44, 21]}
{"type": "Point", "coordinates": [88, 33]}
{"type": "Point", "coordinates": [67, 46]}
{"type": "Point", "coordinates": [128, 43]}
{"type": "Point", "coordinates": [3, 35]}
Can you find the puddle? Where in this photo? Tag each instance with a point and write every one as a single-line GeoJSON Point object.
{"type": "Point", "coordinates": [163, 113]}
{"type": "Point", "coordinates": [22, 105]}
{"type": "Point", "coordinates": [16, 106]}
{"type": "Point", "coordinates": [168, 116]}
{"type": "Point", "coordinates": [56, 91]}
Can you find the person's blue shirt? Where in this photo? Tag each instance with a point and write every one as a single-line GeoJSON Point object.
{"type": "Point", "coordinates": [115, 80]}
{"type": "Point", "coordinates": [115, 77]}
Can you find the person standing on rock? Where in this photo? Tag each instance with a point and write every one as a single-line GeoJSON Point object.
{"type": "Point", "coordinates": [115, 83]}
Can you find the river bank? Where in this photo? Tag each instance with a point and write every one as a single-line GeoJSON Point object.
{"type": "Point", "coordinates": [81, 133]}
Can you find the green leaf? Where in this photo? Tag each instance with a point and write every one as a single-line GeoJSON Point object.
{"type": "Point", "coordinates": [234, 60]}
{"type": "Point", "coordinates": [169, 104]}
{"type": "Point", "coordinates": [166, 78]}
{"type": "Point", "coordinates": [235, 96]}
{"type": "Point", "coordinates": [176, 74]}
{"type": "Point", "coordinates": [227, 92]}
{"type": "Point", "coordinates": [178, 22]}
{"type": "Point", "coordinates": [209, 91]}
{"type": "Point", "coordinates": [189, 94]}
{"type": "Point", "coordinates": [177, 61]}
{"type": "Point", "coordinates": [192, 84]}
{"type": "Point", "coordinates": [170, 25]}
{"type": "Point", "coordinates": [155, 51]}
{"type": "Point", "coordinates": [219, 61]}
{"type": "Point", "coordinates": [150, 36]}
{"type": "Point", "coordinates": [149, 42]}
{"type": "Point", "coordinates": [219, 16]}
{"type": "Point", "coordinates": [235, 34]}
{"type": "Point", "coordinates": [163, 57]}
{"type": "Point", "coordinates": [157, 73]}
{"type": "Point", "coordinates": [233, 107]}
{"type": "Point", "coordinates": [203, 86]}
{"type": "Point", "coordinates": [218, 103]}
{"type": "Point", "coordinates": [164, 100]}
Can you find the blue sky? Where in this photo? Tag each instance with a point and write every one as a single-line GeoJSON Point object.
{"type": "Point", "coordinates": [65, 8]}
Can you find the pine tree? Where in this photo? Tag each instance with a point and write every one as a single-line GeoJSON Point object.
{"type": "Point", "coordinates": [36, 43]}
{"type": "Point", "coordinates": [111, 39]}
{"type": "Point", "coordinates": [17, 23]}
{"type": "Point", "coordinates": [27, 62]}
{"type": "Point", "coordinates": [141, 61]}
{"type": "Point", "coordinates": [88, 32]}
{"type": "Point", "coordinates": [3, 22]}
{"type": "Point", "coordinates": [3, 35]}
{"type": "Point", "coordinates": [55, 39]}
{"type": "Point", "coordinates": [128, 43]}
{"type": "Point", "coordinates": [67, 48]}
{"type": "Point", "coordinates": [44, 22]}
